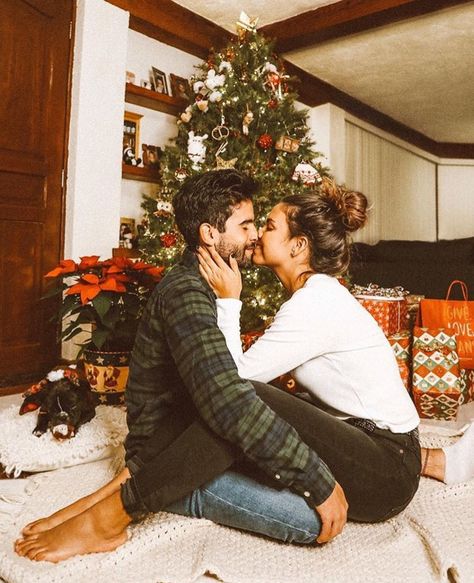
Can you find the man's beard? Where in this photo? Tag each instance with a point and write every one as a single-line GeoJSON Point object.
{"type": "Point", "coordinates": [225, 250]}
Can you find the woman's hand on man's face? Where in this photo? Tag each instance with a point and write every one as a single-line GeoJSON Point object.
{"type": "Point", "coordinates": [224, 279]}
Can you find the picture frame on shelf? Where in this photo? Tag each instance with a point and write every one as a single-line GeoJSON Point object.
{"type": "Point", "coordinates": [179, 87]}
{"type": "Point", "coordinates": [160, 85]}
{"type": "Point", "coordinates": [131, 132]}
{"type": "Point", "coordinates": [151, 156]}
{"type": "Point", "coordinates": [127, 233]}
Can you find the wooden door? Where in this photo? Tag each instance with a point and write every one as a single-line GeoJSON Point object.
{"type": "Point", "coordinates": [34, 109]}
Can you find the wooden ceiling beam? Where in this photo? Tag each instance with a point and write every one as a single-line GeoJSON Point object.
{"type": "Point", "coordinates": [174, 25]}
{"type": "Point", "coordinates": [345, 18]}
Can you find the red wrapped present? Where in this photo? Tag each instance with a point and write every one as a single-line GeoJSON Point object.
{"type": "Point", "coordinates": [389, 313]}
{"type": "Point", "coordinates": [437, 388]}
{"type": "Point", "coordinates": [249, 338]}
{"type": "Point", "coordinates": [387, 305]}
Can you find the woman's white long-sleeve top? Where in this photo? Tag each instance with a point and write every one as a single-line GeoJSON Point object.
{"type": "Point", "coordinates": [333, 348]}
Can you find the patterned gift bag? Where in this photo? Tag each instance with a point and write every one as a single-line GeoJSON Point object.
{"type": "Point", "coordinates": [437, 387]}
{"type": "Point", "coordinates": [467, 383]}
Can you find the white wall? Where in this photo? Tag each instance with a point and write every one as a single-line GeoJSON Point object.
{"type": "Point", "coordinates": [399, 183]}
{"type": "Point", "coordinates": [456, 199]}
{"type": "Point", "coordinates": [95, 138]}
{"type": "Point", "coordinates": [327, 129]}
{"type": "Point", "coordinates": [156, 128]}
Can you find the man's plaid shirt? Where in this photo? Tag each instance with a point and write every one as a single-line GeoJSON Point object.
{"type": "Point", "coordinates": [180, 352]}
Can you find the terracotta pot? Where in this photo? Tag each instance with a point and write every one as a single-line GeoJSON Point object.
{"type": "Point", "coordinates": [107, 374]}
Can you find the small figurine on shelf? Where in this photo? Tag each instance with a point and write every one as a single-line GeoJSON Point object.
{"type": "Point", "coordinates": [128, 157]}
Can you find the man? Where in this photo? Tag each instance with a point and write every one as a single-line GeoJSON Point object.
{"type": "Point", "coordinates": [190, 415]}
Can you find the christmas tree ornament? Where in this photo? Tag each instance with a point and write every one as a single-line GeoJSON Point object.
{"type": "Point", "coordinates": [163, 208]}
{"type": "Point", "coordinates": [270, 67]}
{"type": "Point", "coordinates": [187, 114]}
{"type": "Point", "coordinates": [220, 132]}
{"type": "Point", "coordinates": [203, 105]}
{"type": "Point", "coordinates": [287, 144]}
{"type": "Point", "coordinates": [225, 67]}
{"type": "Point", "coordinates": [181, 174]}
{"type": "Point", "coordinates": [265, 141]}
{"type": "Point", "coordinates": [215, 96]}
{"type": "Point", "coordinates": [246, 24]}
{"type": "Point", "coordinates": [168, 240]}
{"type": "Point", "coordinates": [196, 149]}
{"type": "Point", "coordinates": [213, 80]}
{"type": "Point", "coordinates": [272, 104]}
{"type": "Point", "coordinates": [248, 119]}
{"type": "Point", "coordinates": [222, 164]}
{"type": "Point", "coordinates": [198, 85]}
{"type": "Point", "coordinates": [306, 174]}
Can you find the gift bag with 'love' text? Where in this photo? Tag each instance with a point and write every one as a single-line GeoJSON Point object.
{"type": "Point", "coordinates": [458, 315]}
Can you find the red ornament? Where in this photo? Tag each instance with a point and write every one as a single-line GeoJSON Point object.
{"type": "Point", "coordinates": [168, 240]}
{"type": "Point", "coordinates": [273, 103]}
{"type": "Point", "coordinates": [265, 141]}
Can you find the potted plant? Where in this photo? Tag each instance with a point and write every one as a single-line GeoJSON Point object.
{"type": "Point", "coordinates": [108, 298]}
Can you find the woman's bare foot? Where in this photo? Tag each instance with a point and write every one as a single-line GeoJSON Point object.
{"type": "Point", "coordinates": [76, 507]}
{"type": "Point", "coordinates": [433, 463]}
{"type": "Point", "coordinates": [100, 528]}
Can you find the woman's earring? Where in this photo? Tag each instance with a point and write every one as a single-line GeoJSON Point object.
{"type": "Point", "coordinates": [293, 252]}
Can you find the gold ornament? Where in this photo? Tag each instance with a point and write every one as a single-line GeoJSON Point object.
{"type": "Point", "coordinates": [222, 164]}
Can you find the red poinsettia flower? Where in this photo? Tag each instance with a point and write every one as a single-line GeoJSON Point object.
{"type": "Point", "coordinates": [65, 266]}
{"type": "Point", "coordinates": [90, 286]}
{"type": "Point", "coordinates": [89, 261]}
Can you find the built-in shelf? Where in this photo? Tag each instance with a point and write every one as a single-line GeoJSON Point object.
{"type": "Point", "coordinates": [145, 174]}
{"type": "Point", "coordinates": [153, 100]}
{"type": "Point", "coordinates": [123, 252]}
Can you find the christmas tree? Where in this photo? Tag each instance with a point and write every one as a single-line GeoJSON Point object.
{"type": "Point", "coordinates": [242, 116]}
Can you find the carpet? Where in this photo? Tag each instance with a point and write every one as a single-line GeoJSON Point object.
{"type": "Point", "coordinates": [431, 541]}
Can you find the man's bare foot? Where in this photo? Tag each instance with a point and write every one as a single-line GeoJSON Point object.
{"type": "Point", "coordinates": [433, 463]}
{"type": "Point", "coordinates": [76, 507]}
{"type": "Point", "coordinates": [100, 528]}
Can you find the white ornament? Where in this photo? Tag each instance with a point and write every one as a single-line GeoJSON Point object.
{"type": "Point", "coordinates": [215, 96]}
{"type": "Point", "coordinates": [213, 81]}
{"type": "Point", "coordinates": [225, 66]}
{"type": "Point", "coordinates": [196, 149]}
{"type": "Point", "coordinates": [198, 86]}
{"type": "Point", "coordinates": [270, 67]}
{"type": "Point", "coordinates": [306, 173]}
{"type": "Point", "coordinates": [248, 119]}
{"type": "Point", "coordinates": [164, 208]}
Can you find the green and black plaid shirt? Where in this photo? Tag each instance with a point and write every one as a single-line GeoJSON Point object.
{"type": "Point", "coordinates": [179, 347]}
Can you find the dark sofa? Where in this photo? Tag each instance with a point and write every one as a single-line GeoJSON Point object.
{"type": "Point", "coordinates": [421, 267]}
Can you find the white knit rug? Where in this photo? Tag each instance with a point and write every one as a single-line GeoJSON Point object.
{"type": "Point", "coordinates": [433, 536]}
{"type": "Point", "coordinates": [20, 450]}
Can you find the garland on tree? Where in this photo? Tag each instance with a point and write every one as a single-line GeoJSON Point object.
{"type": "Point", "coordinates": [242, 116]}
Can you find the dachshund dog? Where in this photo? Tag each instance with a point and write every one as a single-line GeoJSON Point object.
{"type": "Point", "coordinates": [64, 401]}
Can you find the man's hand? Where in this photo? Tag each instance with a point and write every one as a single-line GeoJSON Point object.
{"type": "Point", "coordinates": [333, 513]}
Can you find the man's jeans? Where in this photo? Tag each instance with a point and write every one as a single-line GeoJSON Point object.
{"type": "Point", "coordinates": [235, 500]}
{"type": "Point", "coordinates": [378, 470]}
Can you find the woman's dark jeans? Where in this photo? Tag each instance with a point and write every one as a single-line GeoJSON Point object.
{"type": "Point", "coordinates": [378, 470]}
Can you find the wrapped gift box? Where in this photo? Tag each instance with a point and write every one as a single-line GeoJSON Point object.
{"type": "Point", "coordinates": [389, 313]}
{"type": "Point", "coordinates": [437, 387]}
{"type": "Point", "coordinates": [401, 346]}
{"type": "Point", "coordinates": [467, 383]}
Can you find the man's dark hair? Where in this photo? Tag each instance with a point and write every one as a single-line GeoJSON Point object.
{"type": "Point", "coordinates": [209, 198]}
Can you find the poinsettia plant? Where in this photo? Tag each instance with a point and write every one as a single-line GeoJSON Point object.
{"type": "Point", "coordinates": [107, 297]}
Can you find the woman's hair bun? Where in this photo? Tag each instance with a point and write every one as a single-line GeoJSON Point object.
{"type": "Point", "coordinates": [350, 204]}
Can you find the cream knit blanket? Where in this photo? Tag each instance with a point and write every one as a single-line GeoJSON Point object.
{"type": "Point", "coordinates": [431, 541]}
